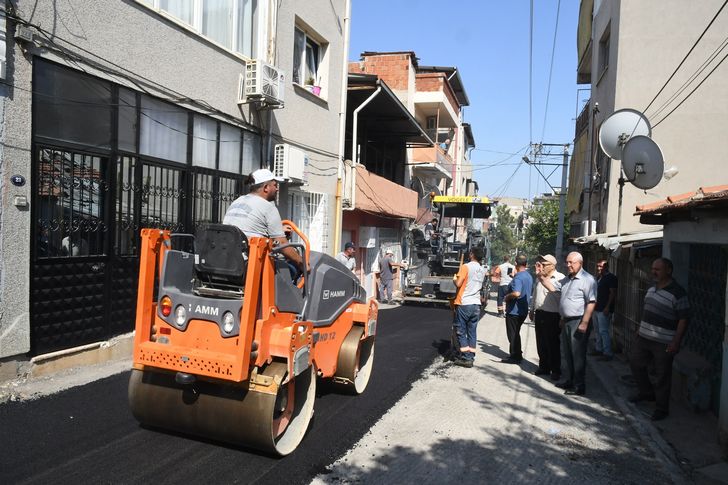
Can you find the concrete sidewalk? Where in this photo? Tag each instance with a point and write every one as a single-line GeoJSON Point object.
{"type": "Point", "coordinates": [499, 423]}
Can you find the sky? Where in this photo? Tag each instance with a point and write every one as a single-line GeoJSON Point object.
{"type": "Point", "coordinates": [488, 41]}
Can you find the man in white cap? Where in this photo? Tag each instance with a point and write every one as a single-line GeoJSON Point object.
{"type": "Point", "coordinates": [386, 276]}
{"type": "Point", "coordinates": [544, 313]}
{"type": "Point", "coordinates": [257, 215]}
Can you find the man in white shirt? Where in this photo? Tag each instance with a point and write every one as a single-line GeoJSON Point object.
{"type": "Point", "coordinates": [469, 282]}
{"type": "Point", "coordinates": [346, 257]}
{"type": "Point", "coordinates": [257, 215]}
{"type": "Point", "coordinates": [507, 271]}
{"type": "Point", "coordinates": [545, 314]}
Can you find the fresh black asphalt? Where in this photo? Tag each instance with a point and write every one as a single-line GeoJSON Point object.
{"type": "Point", "coordinates": [88, 435]}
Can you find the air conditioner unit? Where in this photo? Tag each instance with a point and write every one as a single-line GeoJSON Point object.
{"type": "Point", "coordinates": [289, 162]}
{"type": "Point", "coordinates": [261, 82]}
{"type": "Point", "coordinates": [585, 228]}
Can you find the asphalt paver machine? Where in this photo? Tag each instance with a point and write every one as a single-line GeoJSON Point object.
{"type": "Point", "coordinates": [433, 262]}
{"type": "Point", "coordinates": [227, 347]}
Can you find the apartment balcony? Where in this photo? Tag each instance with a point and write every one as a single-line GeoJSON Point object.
{"type": "Point", "coordinates": [434, 97]}
{"type": "Point", "coordinates": [584, 42]}
{"type": "Point", "coordinates": [432, 162]}
{"type": "Point", "coordinates": [378, 195]}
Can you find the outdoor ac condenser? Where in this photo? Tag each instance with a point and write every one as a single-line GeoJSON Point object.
{"type": "Point", "coordinates": [289, 162]}
{"type": "Point", "coordinates": [261, 82]}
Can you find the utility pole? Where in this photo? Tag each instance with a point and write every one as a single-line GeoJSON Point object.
{"type": "Point", "coordinates": [562, 192]}
{"type": "Point", "coordinates": [562, 207]}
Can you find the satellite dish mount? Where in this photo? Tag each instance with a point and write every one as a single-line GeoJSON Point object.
{"type": "Point", "coordinates": [626, 135]}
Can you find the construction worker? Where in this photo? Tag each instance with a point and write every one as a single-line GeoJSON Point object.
{"type": "Point", "coordinates": [257, 215]}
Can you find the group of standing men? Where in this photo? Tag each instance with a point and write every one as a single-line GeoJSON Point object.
{"type": "Point", "coordinates": [563, 309]}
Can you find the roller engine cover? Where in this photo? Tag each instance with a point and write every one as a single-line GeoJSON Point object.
{"type": "Point", "coordinates": [333, 289]}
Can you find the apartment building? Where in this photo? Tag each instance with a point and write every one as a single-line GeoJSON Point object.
{"type": "Point", "coordinates": [150, 113]}
{"type": "Point", "coordinates": [627, 51]}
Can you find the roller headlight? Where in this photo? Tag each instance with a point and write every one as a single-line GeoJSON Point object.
{"type": "Point", "coordinates": [228, 322]}
{"type": "Point", "coordinates": [180, 315]}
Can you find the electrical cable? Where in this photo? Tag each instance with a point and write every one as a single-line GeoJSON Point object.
{"type": "Point", "coordinates": [692, 78]}
{"type": "Point", "coordinates": [686, 56]}
{"type": "Point", "coordinates": [691, 92]}
{"type": "Point", "coordinates": [551, 70]}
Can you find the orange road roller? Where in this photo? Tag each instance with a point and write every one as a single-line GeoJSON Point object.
{"type": "Point", "coordinates": [228, 347]}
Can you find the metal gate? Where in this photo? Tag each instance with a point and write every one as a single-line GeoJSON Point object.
{"type": "Point", "coordinates": [88, 210]}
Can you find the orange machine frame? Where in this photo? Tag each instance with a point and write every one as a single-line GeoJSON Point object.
{"type": "Point", "coordinates": [201, 350]}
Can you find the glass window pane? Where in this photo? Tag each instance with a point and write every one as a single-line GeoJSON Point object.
{"type": "Point", "coordinates": [229, 148]}
{"type": "Point", "coordinates": [180, 9]}
{"type": "Point", "coordinates": [251, 152]}
{"type": "Point", "coordinates": [217, 21]}
{"type": "Point", "coordinates": [71, 196]}
{"type": "Point", "coordinates": [163, 130]}
{"type": "Point", "coordinates": [204, 142]}
{"type": "Point", "coordinates": [247, 27]}
{"type": "Point", "coordinates": [126, 228]}
{"type": "Point", "coordinates": [299, 45]}
{"type": "Point", "coordinates": [70, 106]}
{"type": "Point", "coordinates": [312, 61]}
{"type": "Point", "coordinates": [127, 120]}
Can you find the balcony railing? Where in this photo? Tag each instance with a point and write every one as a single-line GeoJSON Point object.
{"type": "Point", "coordinates": [381, 196]}
{"type": "Point", "coordinates": [582, 121]}
{"type": "Point", "coordinates": [434, 155]}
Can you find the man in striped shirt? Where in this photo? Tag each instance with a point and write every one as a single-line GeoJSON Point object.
{"type": "Point", "coordinates": [664, 320]}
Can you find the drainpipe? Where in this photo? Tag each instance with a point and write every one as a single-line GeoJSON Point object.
{"type": "Point", "coordinates": [354, 140]}
{"type": "Point", "coordinates": [338, 222]}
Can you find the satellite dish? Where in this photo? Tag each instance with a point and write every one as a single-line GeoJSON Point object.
{"type": "Point", "coordinates": [642, 162]}
{"type": "Point", "coordinates": [619, 127]}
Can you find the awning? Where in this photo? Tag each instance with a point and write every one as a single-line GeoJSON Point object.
{"type": "Point", "coordinates": [612, 241]}
{"type": "Point", "coordinates": [385, 115]}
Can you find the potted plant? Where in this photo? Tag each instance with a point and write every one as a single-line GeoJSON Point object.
{"type": "Point", "coordinates": [313, 86]}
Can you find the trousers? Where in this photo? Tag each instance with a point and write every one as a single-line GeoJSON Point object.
{"type": "Point", "coordinates": [513, 332]}
{"type": "Point", "coordinates": [573, 353]}
{"type": "Point", "coordinates": [643, 353]}
{"type": "Point", "coordinates": [548, 343]}
{"type": "Point", "coordinates": [385, 290]}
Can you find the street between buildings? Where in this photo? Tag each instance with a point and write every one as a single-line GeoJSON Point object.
{"type": "Point", "coordinates": [420, 420]}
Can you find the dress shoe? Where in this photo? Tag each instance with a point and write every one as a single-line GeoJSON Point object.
{"type": "Point", "coordinates": [511, 360]}
{"type": "Point", "coordinates": [541, 372]}
{"type": "Point", "coordinates": [640, 397]}
{"type": "Point", "coordinates": [659, 415]}
{"type": "Point", "coordinates": [564, 385]}
{"type": "Point", "coordinates": [464, 363]}
{"type": "Point", "coordinates": [576, 391]}
{"type": "Point", "coordinates": [555, 377]}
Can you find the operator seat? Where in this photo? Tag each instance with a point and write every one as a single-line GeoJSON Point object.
{"type": "Point", "coordinates": [221, 258]}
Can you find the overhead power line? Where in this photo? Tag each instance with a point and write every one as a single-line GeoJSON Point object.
{"type": "Point", "coordinates": [686, 55]}
{"type": "Point", "coordinates": [551, 70]}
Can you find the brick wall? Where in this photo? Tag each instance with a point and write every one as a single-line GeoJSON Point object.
{"type": "Point", "coordinates": [435, 81]}
{"type": "Point", "coordinates": [393, 69]}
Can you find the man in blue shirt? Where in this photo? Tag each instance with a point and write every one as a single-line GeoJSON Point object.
{"type": "Point", "coordinates": [518, 299]}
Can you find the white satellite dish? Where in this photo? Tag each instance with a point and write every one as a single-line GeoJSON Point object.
{"type": "Point", "coordinates": [642, 162]}
{"type": "Point", "coordinates": [619, 127]}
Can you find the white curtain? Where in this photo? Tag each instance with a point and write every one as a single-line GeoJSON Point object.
{"type": "Point", "coordinates": [181, 9]}
{"type": "Point", "coordinates": [251, 152]}
{"type": "Point", "coordinates": [246, 27]}
{"type": "Point", "coordinates": [299, 46]}
{"type": "Point", "coordinates": [229, 148]}
{"type": "Point", "coordinates": [217, 21]}
{"type": "Point", "coordinates": [204, 142]}
{"type": "Point", "coordinates": [163, 130]}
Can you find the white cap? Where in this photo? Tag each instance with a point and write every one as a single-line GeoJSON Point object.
{"type": "Point", "coordinates": [388, 251]}
{"type": "Point", "coordinates": [263, 175]}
